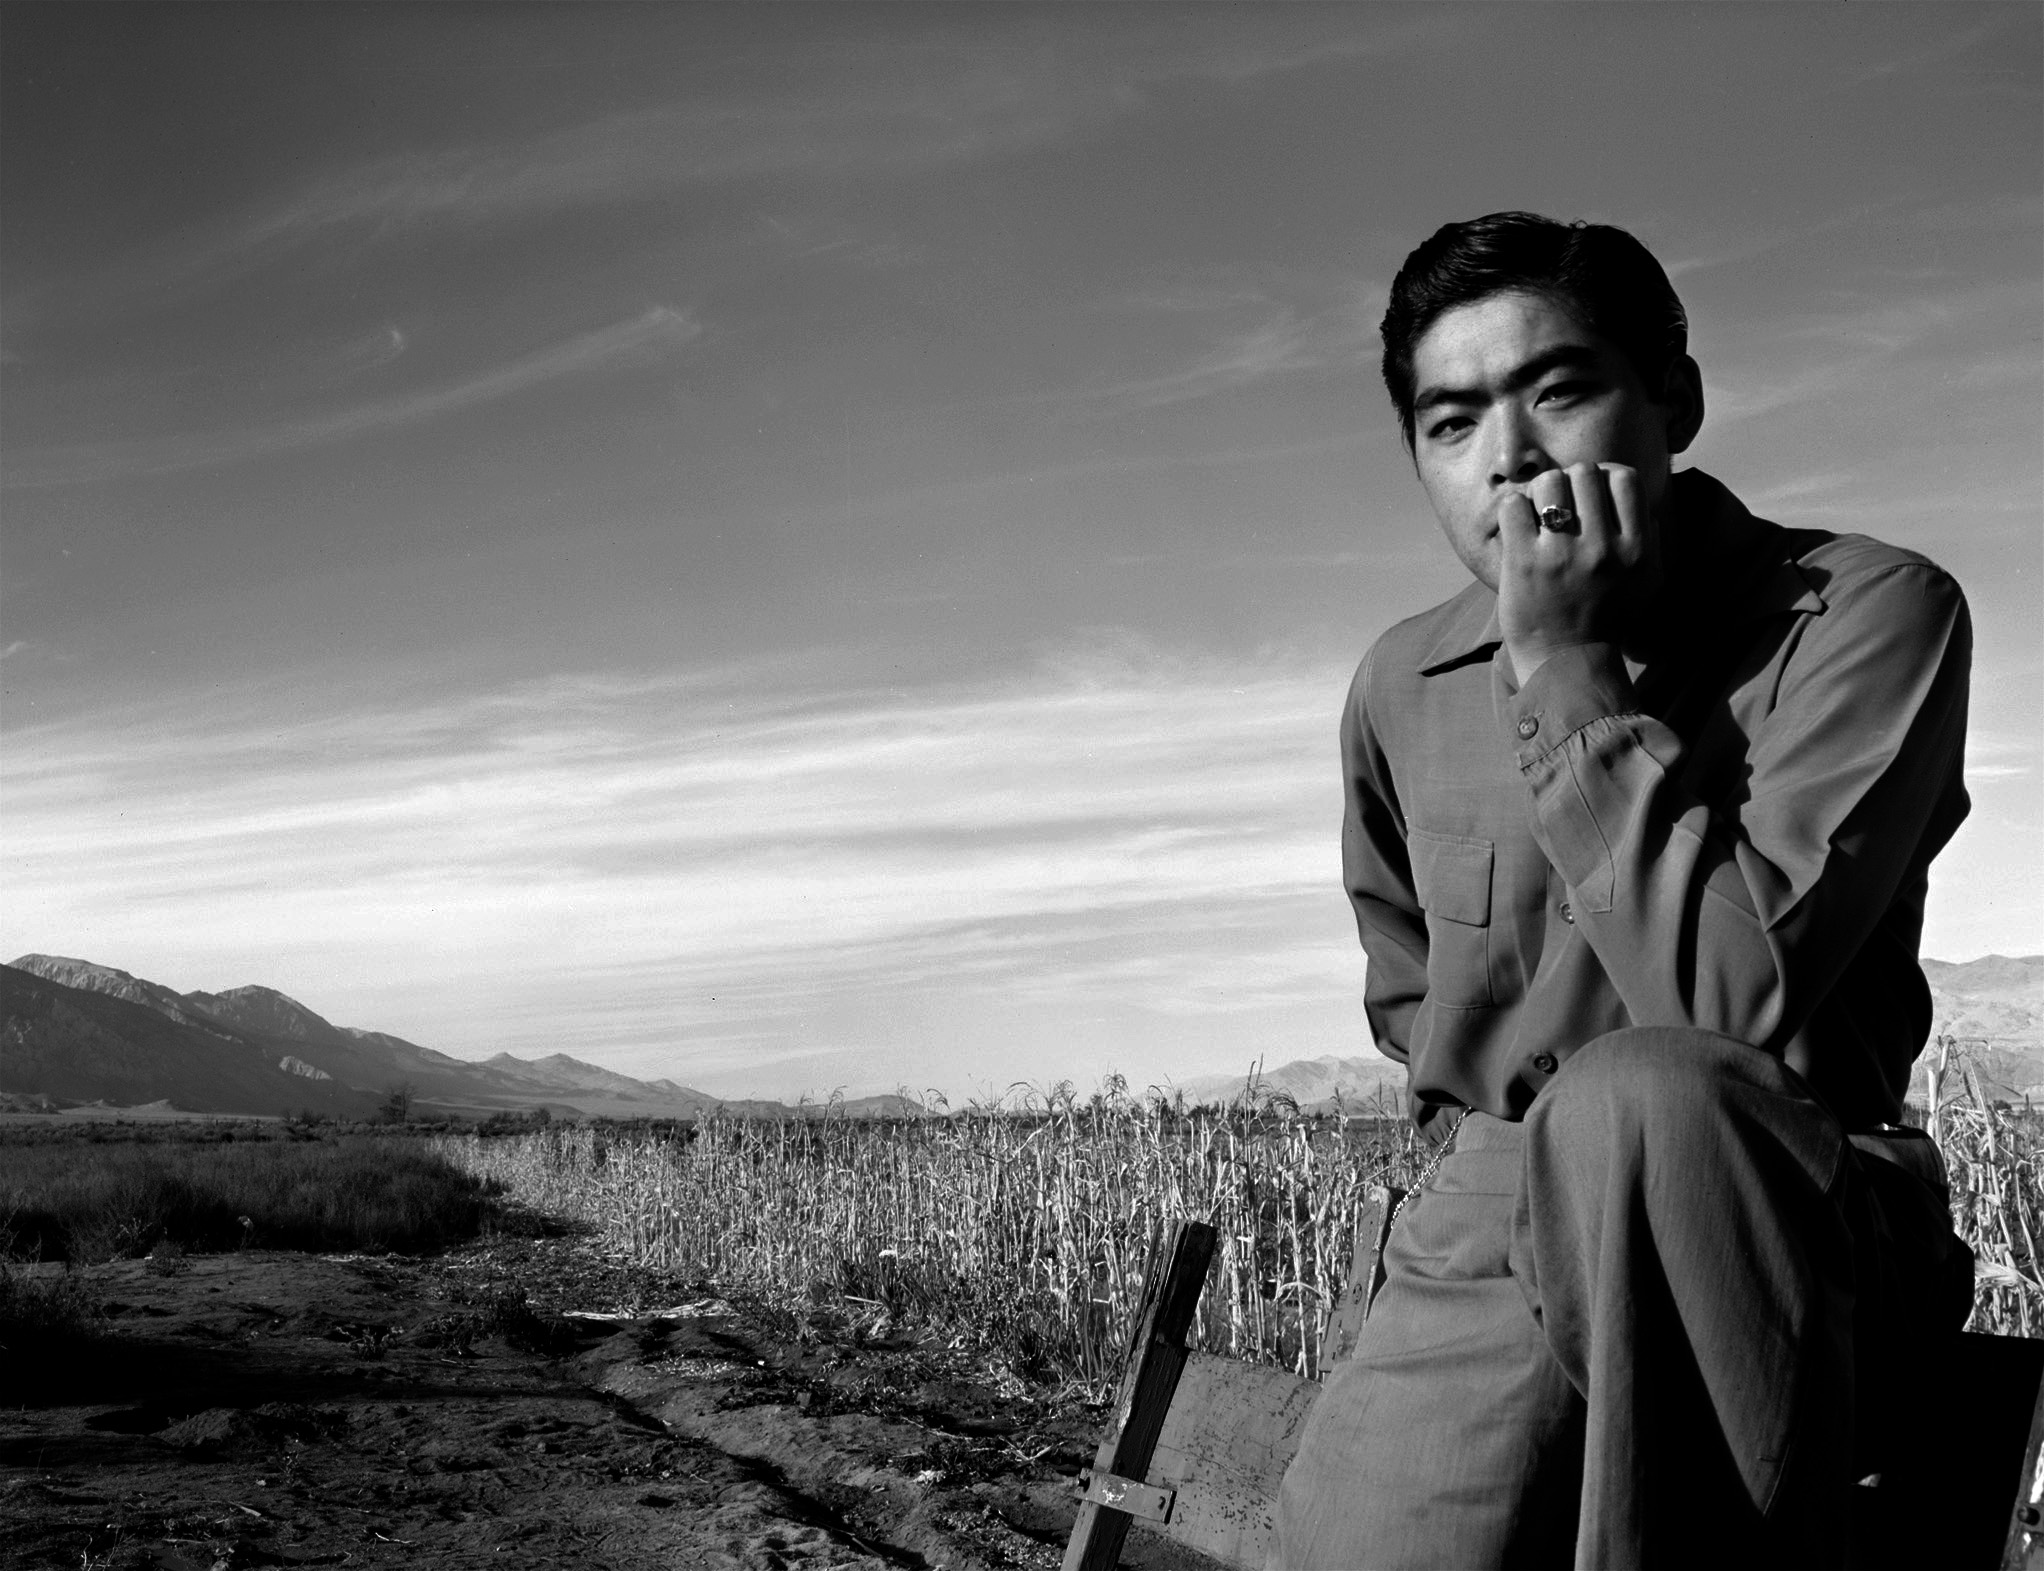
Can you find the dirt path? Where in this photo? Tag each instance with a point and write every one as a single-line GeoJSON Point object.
{"type": "Point", "coordinates": [281, 1409]}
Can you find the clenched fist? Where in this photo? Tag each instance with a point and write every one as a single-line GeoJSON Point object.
{"type": "Point", "coordinates": [1580, 579]}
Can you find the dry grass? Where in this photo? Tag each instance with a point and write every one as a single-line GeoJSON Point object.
{"type": "Point", "coordinates": [1024, 1228]}
{"type": "Point", "coordinates": [1992, 1152]}
{"type": "Point", "coordinates": [44, 1311]}
{"type": "Point", "coordinates": [90, 1201]}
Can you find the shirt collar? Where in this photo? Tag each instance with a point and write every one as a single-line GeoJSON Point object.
{"type": "Point", "coordinates": [1756, 571]}
{"type": "Point", "coordinates": [1471, 630]}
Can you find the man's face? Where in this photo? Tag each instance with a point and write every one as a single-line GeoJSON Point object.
{"type": "Point", "coordinates": [1512, 385]}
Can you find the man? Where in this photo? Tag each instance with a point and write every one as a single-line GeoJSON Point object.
{"type": "Point", "coordinates": [1637, 836]}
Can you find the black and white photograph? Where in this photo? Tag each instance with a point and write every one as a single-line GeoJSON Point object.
{"type": "Point", "coordinates": [977, 785]}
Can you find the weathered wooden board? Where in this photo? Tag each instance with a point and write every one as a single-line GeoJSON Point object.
{"type": "Point", "coordinates": [1365, 1275]}
{"type": "Point", "coordinates": [1225, 1446]}
{"type": "Point", "coordinates": [1233, 1427]}
{"type": "Point", "coordinates": [1172, 1280]}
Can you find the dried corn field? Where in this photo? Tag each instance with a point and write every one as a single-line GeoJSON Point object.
{"type": "Point", "coordinates": [1993, 1154]}
{"type": "Point", "coordinates": [1024, 1228]}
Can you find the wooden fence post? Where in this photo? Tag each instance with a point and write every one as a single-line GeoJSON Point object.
{"type": "Point", "coordinates": [1172, 1282]}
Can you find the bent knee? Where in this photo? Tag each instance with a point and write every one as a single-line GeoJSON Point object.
{"type": "Point", "coordinates": [1641, 1075]}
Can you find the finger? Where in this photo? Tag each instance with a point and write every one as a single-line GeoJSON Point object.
{"type": "Point", "coordinates": [1553, 500]}
{"type": "Point", "coordinates": [1594, 511]}
{"type": "Point", "coordinates": [1518, 527]}
{"type": "Point", "coordinates": [1635, 527]}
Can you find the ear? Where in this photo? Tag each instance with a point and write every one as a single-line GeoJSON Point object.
{"type": "Point", "coordinates": [1682, 397]}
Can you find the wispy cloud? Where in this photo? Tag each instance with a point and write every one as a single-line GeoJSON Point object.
{"type": "Point", "coordinates": [1800, 493]}
{"type": "Point", "coordinates": [2002, 755]}
{"type": "Point", "coordinates": [1283, 340]}
{"type": "Point", "coordinates": [1275, 347]}
{"type": "Point", "coordinates": [1150, 829]}
{"type": "Point", "coordinates": [1823, 352]}
{"type": "Point", "coordinates": [1242, 46]}
{"type": "Point", "coordinates": [1884, 72]}
{"type": "Point", "coordinates": [1726, 253]}
{"type": "Point", "coordinates": [634, 156]}
{"type": "Point", "coordinates": [659, 329]}
{"type": "Point", "coordinates": [367, 352]}
{"type": "Point", "coordinates": [839, 240]}
{"type": "Point", "coordinates": [901, 106]}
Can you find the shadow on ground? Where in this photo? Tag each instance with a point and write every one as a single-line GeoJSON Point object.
{"type": "Point", "coordinates": [266, 1409]}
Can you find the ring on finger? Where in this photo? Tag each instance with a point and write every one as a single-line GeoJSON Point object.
{"type": "Point", "coordinates": [1557, 517]}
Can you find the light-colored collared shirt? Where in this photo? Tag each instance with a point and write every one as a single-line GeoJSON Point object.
{"type": "Point", "coordinates": [1735, 834]}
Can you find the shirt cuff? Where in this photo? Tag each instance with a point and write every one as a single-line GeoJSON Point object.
{"type": "Point", "coordinates": [1573, 687]}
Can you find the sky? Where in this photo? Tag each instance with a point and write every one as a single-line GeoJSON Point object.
{"type": "Point", "coordinates": [799, 549]}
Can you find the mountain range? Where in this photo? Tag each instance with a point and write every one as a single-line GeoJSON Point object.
{"type": "Point", "coordinates": [1994, 1006]}
{"type": "Point", "coordinates": [72, 1032]}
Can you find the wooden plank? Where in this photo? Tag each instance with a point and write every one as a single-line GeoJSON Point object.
{"type": "Point", "coordinates": [1172, 1282]}
{"type": "Point", "coordinates": [1365, 1275]}
{"type": "Point", "coordinates": [2023, 1547]}
{"type": "Point", "coordinates": [1225, 1445]}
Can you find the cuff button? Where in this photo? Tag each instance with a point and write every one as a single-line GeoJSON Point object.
{"type": "Point", "coordinates": [1545, 1063]}
{"type": "Point", "coordinates": [1529, 726]}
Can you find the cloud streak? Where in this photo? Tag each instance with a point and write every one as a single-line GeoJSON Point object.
{"type": "Point", "coordinates": [917, 103]}
{"type": "Point", "coordinates": [1282, 340]}
{"type": "Point", "coordinates": [1151, 831]}
{"type": "Point", "coordinates": [656, 331]}
{"type": "Point", "coordinates": [1845, 349]}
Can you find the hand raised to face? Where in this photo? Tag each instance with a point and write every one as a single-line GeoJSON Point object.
{"type": "Point", "coordinates": [1519, 406]}
{"type": "Point", "coordinates": [1579, 555]}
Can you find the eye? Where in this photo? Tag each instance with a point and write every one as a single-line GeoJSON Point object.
{"type": "Point", "coordinates": [1566, 392]}
{"type": "Point", "coordinates": [1448, 428]}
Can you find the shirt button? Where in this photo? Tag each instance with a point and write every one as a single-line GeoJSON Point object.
{"type": "Point", "coordinates": [1529, 726]}
{"type": "Point", "coordinates": [1567, 915]}
{"type": "Point", "coordinates": [1545, 1063]}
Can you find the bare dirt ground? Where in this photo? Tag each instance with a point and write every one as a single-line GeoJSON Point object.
{"type": "Point", "coordinates": [282, 1409]}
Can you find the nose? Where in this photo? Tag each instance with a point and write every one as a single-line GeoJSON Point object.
{"type": "Point", "coordinates": [1516, 455]}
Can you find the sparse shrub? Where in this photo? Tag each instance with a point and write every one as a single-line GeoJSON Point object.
{"type": "Point", "coordinates": [43, 1311]}
{"type": "Point", "coordinates": [88, 1202]}
{"type": "Point", "coordinates": [508, 1315]}
{"type": "Point", "coordinates": [502, 1312]}
{"type": "Point", "coordinates": [510, 1123]}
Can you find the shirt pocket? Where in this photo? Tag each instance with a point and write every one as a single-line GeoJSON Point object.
{"type": "Point", "coordinates": [1451, 875]}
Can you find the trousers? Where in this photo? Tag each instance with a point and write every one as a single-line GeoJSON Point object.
{"type": "Point", "coordinates": [1647, 1326]}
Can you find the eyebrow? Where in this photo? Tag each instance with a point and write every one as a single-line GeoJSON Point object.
{"type": "Point", "coordinates": [1562, 357]}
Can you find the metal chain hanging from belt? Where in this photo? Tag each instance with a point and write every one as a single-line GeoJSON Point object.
{"type": "Point", "coordinates": [1427, 1170]}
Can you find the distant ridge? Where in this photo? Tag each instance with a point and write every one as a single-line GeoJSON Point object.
{"type": "Point", "coordinates": [1317, 1085]}
{"type": "Point", "coordinates": [1994, 1006]}
{"type": "Point", "coordinates": [73, 1031]}
{"type": "Point", "coordinates": [73, 1045]}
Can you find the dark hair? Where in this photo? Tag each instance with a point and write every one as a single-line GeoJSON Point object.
{"type": "Point", "coordinates": [1602, 273]}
